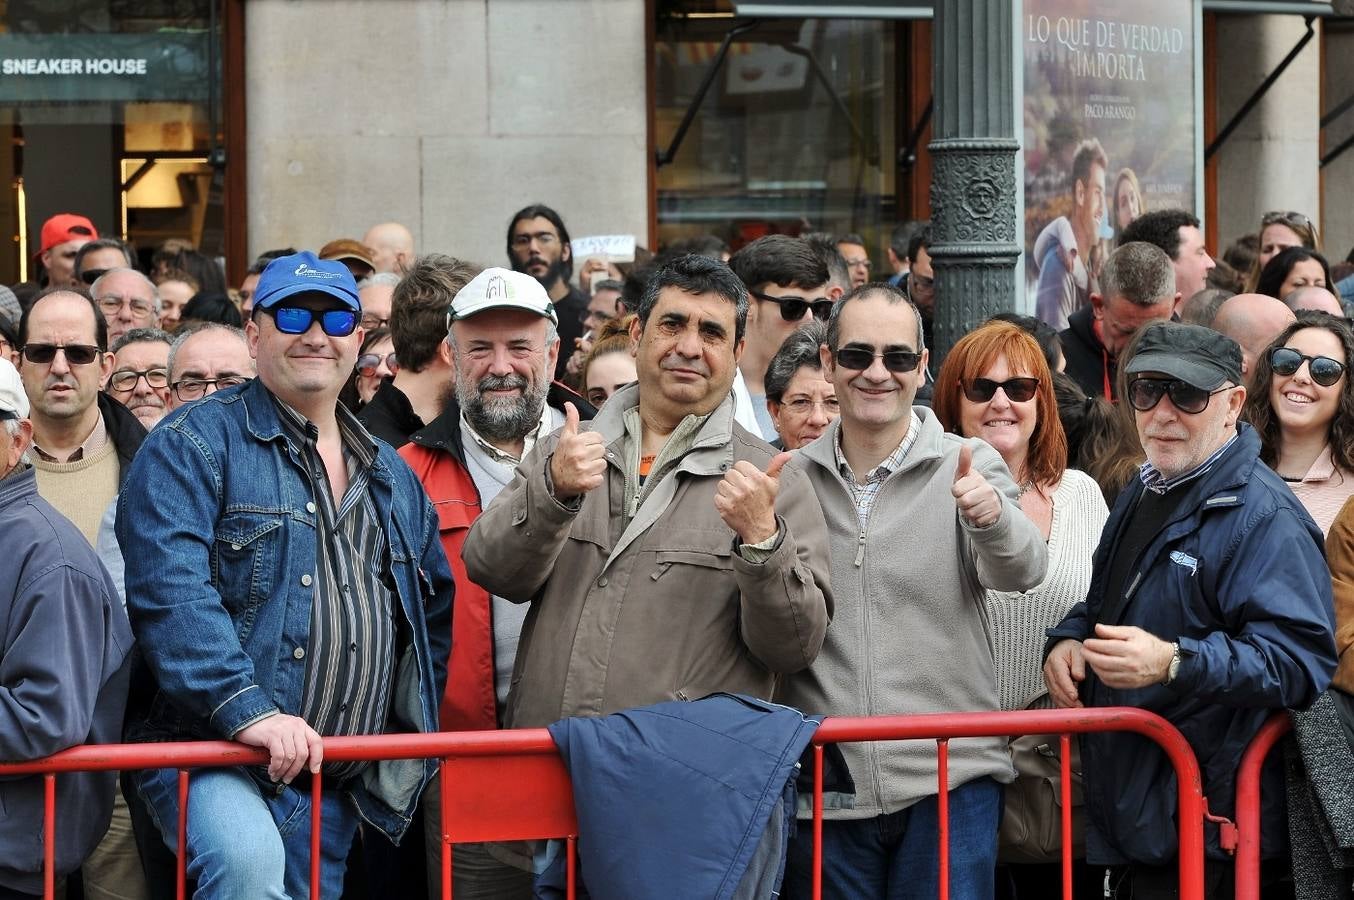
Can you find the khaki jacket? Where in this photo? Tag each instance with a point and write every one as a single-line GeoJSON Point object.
{"type": "Point", "coordinates": [1340, 557]}
{"type": "Point", "coordinates": [661, 609]}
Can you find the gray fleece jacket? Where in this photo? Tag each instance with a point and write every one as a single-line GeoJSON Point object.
{"type": "Point", "coordinates": [909, 634]}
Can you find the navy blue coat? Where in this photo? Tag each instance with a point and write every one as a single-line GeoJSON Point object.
{"type": "Point", "coordinates": [64, 645]}
{"type": "Point", "coordinates": [677, 799]}
{"type": "Point", "coordinates": [1238, 577]}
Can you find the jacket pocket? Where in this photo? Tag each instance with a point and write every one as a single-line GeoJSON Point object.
{"type": "Point", "coordinates": [244, 560]}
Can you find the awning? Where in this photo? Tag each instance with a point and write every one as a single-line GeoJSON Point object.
{"type": "Point", "coordinates": [1296, 7]}
{"type": "Point", "coordinates": [921, 9]}
{"type": "Point", "coordinates": [850, 9]}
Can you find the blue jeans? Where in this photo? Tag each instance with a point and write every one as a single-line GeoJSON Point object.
{"type": "Point", "coordinates": [896, 856]}
{"type": "Point", "coordinates": [243, 845]}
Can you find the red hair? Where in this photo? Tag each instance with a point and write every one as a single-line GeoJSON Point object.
{"type": "Point", "coordinates": [975, 353]}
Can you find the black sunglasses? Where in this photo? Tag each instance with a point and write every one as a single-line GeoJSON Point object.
{"type": "Point", "coordinates": [1324, 370]}
{"type": "Point", "coordinates": [298, 319]}
{"type": "Point", "coordinates": [76, 354]}
{"type": "Point", "coordinates": [1146, 393]}
{"type": "Point", "coordinates": [1017, 390]}
{"type": "Point", "coordinates": [89, 276]}
{"type": "Point", "coordinates": [792, 308]}
{"type": "Point", "coordinates": [860, 358]}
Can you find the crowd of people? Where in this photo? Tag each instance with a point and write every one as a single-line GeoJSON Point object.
{"type": "Point", "coordinates": [369, 490]}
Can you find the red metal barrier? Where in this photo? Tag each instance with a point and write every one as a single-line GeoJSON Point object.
{"type": "Point", "coordinates": [947, 726]}
{"type": "Point", "coordinates": [1248, 805]}
{"type": "Point", "coordinates": [512, 785]}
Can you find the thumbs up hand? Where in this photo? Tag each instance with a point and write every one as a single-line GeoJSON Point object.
{"type": "Point", "coordinates": [978, 502]}
{"type": "Point", "coordinates": [579, 462]}
{"type": "Point", "coordinates": [746, 499]}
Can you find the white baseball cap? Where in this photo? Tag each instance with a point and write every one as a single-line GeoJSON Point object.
{"type": "Point", "coordinates": [13, 400]}
{"type": "Point", "coordinates": [496, 288]}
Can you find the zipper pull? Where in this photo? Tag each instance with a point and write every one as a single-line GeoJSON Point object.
{"type": "Point", "coordinates": [860, 548]}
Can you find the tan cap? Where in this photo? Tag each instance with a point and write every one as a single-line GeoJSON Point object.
{"type": "Point", "coordinates": [347, 248]}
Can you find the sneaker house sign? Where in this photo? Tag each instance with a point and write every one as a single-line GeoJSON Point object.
{"type": "Point", "coordinates": [109, 67]}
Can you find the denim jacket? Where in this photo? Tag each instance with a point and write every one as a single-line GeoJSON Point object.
{"type": "Point", "coordinates": [217, 526]}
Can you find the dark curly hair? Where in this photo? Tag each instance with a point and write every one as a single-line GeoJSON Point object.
{"type": "Point", "coordinates": [1260, 414]}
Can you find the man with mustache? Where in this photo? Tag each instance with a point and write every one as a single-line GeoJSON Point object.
{"type": "Point", "coordinates": [538, 244]}
{"type": "Point", "coordinates": [665, 551]}
{"type": "Point", "coordinates": [500, 348]}
{"type": "Point", "coordinates": [1210, 604]}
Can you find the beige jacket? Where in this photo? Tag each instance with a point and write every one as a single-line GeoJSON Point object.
{"type": "Point", "coordinates": [662, 608]}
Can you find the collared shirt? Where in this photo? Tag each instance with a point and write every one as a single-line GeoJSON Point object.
{"type": "Point", "coordinates": [544, 426]}
{"type": "Point", "coordinates": [1154, 481]}
{"type": "Point", "coordinates": [864, 493]}
{"type": "Point", "coordinates": [351, 651]}
{"type": "Point", "coordinates": [92, 445]}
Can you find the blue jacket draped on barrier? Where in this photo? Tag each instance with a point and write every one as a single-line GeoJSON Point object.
{"type": "Point", "coordinates": [682, 799]}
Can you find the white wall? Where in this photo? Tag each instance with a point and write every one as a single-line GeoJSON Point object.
{"type": "Point", "coordinates": [446, 115]}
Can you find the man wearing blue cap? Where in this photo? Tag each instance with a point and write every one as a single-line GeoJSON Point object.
{"type": "Point", "coordinates": [299, 590]}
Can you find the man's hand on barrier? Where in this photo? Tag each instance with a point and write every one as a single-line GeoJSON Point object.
{"type": "Point", "coordinates": [1125, 656]}
{"type": "Point", "coordinates": [1063, 669]}
{"type": "Point", "coordinates": [291, 744]}
{"type": "Point", "coordinates": [746, 498]}
{"type": "Point", "coordinates": [578, 464]}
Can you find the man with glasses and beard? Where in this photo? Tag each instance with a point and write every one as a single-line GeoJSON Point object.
{"type": "Point", "coordinates": [538, 244]}
{"type": "Point", "coordinates": [787, 281]}
{"type": "Point", "coordinates": [502, 339]}
{"type": "Point", "coordinates": [299, 590]}
{"type": "Point", "coordinates": [921, 524]}
{"type": "Point", "coordinates": [1210, 604]}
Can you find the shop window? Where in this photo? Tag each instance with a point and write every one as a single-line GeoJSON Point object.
{"type": "Point", "coordinates": [797, 132]}
{"type": "Point", "coordinates": [111, 109]}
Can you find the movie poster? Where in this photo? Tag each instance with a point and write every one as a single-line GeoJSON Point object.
{"type": "Point", "coordinates": [1111, 126]}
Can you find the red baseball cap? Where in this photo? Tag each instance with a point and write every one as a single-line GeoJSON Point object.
{"type": "Point", "coordinates": [64, 227]}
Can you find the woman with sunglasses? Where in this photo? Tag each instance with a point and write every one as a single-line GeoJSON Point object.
{"type": "Point", "coordinates": [1278, 232]}
{"type": "Point", "coordinates": [1293, 268]}
{"type": "Point", "coordinates": [375, 362]}
{"type": "Point", "coordinates": [1302, 405]}
{"type": "Point", "coordinates": [996, 385]}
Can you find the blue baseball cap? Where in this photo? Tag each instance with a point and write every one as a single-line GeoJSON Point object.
{"type": "Point", "coordinates": [305, 273]}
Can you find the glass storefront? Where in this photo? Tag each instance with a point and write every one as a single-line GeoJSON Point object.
{"type": "Point", "coordinates": [110, 109]}
{"type": "Point", "coordinates": [798, 130]}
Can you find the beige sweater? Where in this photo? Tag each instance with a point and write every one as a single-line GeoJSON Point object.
{"type": "Point", "coordinates": [81, 490]}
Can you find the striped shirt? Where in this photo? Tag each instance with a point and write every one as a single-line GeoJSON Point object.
{"type": "Point", "coordinates": [863, 493]}
{"type": "Point", "coordinates": [1157, 483]}
{"type": "Point", "coordinates": [351, 651]}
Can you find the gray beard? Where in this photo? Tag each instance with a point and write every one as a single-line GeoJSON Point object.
{"type": "Point", "coordinates": [502, 420]}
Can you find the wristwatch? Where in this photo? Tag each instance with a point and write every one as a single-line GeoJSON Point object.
{"type": "Point", "coordinates": [1173, 669]}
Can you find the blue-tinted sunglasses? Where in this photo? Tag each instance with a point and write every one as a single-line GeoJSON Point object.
{"type": "Point", "coordinates": [298, 319]}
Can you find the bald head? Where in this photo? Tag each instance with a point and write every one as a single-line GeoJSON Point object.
{"type": "Point", "coordinates": [1317, 298]}
{"type": "Point", "coordinates": [393, 245]}
{"type": "Point", "coordinates": [1253, 321]}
